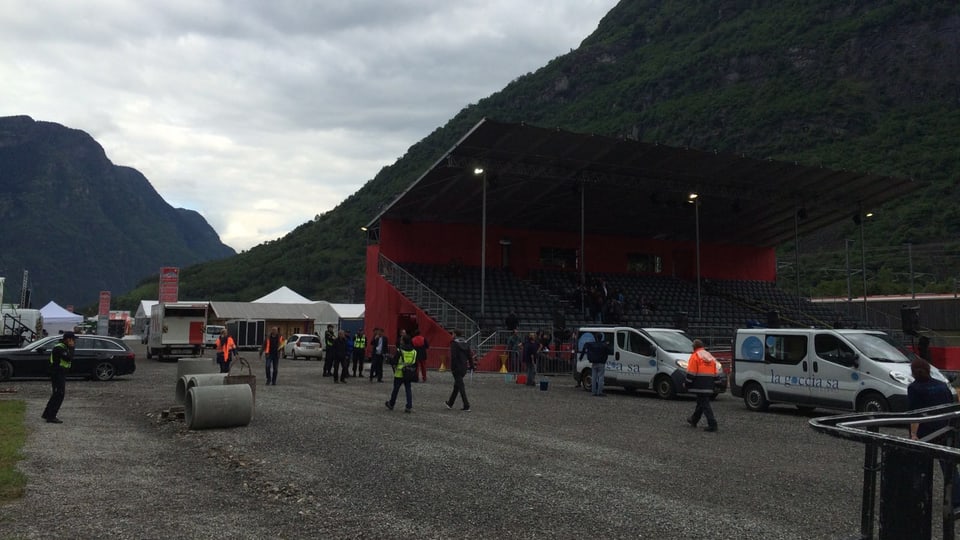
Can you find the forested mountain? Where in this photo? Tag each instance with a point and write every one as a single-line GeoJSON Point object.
{"type": "Point", "coordinates": [856, 85]}
{"type": "Point", "coordinates": [80, 224]}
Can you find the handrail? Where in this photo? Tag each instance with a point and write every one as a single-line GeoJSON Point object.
{"type": "Point", "coordinates": [442, 311]}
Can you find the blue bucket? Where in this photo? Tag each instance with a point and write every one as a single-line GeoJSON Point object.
{"type": "Point", "coordinates": [544, 385]}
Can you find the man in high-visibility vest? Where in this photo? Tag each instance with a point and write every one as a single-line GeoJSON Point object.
{"type": "Point", "coordinates": [226, 348]}
{"type": "Point", "coordinates": [702, 371]}
{"type": "Point", "coordinates": [359, 352]}
{"type": "Point", "coordinates": [61, 359]}
{"type": "Point", "coordinates": [272, 347]}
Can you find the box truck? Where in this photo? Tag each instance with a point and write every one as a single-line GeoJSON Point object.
{"type": "Point", "coordinates": [176, 330]}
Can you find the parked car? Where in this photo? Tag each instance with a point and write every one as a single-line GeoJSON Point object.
{"type": "Point", "coordinates": [299, 345]}
{"type": "Point", "coordinates": [96, 357]}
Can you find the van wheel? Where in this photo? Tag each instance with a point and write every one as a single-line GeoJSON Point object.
{"type": "Point", "coordinates": [872, 402]}
{"type": "Point", "coordinates": [586, 379]}
{"type": "Point", "coordinates": [665, 387]}
{"type": "Point", "coordinates": [754, 398]}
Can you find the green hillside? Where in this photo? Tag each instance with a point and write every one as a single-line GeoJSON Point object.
{"type": "Point", "coordinates": [871, 86]}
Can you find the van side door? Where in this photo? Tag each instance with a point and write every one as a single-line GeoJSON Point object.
{"type": "Point", "coordinates": [638, 357]}
{"type": "Point", "coordinates": [835, 380]}
{"type": "Point", "coordinates": [788, 367]}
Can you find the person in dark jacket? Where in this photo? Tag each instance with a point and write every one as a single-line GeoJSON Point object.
{"type": "Point", "coordinates": [596, 352]}
{"type": "Point", "coordinates": [340, 363]}
{"type": "Point", "coordinates": [61, 360]}
{"type": "Point", "coordinates": [461, 360]}
{"type": "Point", "coordinates": [272, 347]}
{"type": "Point", "coordinates": [702, 371]}
{"type": "Point", "coordinates": [530, 350]}
{"type": "Point", "coordinates": [923, 392]}
{"type": "Point", "coordinates": [378, 351]}
{"type": "Point", "coordinates": [329, 338]}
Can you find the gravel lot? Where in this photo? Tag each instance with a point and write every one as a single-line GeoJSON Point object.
{"type": "Point", "coordinates": [321, 460]}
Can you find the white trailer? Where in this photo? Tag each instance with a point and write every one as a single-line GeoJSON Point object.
{"type": "Point", "coordinates": [176, 330]}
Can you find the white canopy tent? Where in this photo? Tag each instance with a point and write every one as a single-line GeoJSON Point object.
{"type": "Point", "coordinates": [57, 319]}
{"type": "Point", "coordinates": [283, 295]}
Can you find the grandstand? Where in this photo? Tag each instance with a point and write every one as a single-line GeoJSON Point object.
{"type": "Point", "coordinates": [560, 215]}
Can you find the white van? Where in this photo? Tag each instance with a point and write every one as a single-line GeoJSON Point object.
{"type": "Point", "coordinates": [210, 335]}
{"type": "Point", "coordinates": [852, 370]}
{"type": "Point", "coordinates": [641, 358]}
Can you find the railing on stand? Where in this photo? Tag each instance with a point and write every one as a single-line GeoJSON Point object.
{"type": "Point", "coordinates": [445, 313]}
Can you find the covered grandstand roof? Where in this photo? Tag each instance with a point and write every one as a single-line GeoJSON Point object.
{"type": "Point", "coordinates": [535, 178]}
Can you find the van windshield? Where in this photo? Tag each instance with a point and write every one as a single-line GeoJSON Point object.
{"type": "Point", "coordinates": [670, 341]}
{"type": "Point", "coordinates": [879, 347]}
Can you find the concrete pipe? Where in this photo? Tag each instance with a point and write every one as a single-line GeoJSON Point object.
{"type": "Point", "coordinates": [218, 406]}
{"type": "Point", "coordinates": [190, 366]}
{"type": "Point", "coordinates": [185, 383]}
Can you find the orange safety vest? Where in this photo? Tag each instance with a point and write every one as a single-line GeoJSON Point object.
{"type": "Point", "coordinates": [701, 362]}
{"type": "Point", "coordinates": [266, 344]}
{"type": "Point", "coordinates": [225, 349]}
{"type": "Point", "coordinates": [701, 372]}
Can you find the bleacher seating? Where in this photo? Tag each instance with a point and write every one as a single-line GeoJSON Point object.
{"type": "Point", "coordinates": [648, 300]}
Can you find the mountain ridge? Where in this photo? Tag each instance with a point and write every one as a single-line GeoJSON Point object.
{"type": "Point", "coordinates": [867, 85]}
{"type": "Point", "coordinates": [80, 224]}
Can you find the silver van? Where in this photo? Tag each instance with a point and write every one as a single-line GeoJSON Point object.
{"type": "Point", "coordinates": [642, 358]}
{"type": "Point", "coordinates": [850, 370]}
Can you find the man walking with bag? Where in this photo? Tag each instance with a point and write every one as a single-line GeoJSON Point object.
{"type": "Point", "coordinates": [461, 359]}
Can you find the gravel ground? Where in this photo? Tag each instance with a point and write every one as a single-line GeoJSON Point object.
{"type": "Point", "coordinates": [330, 461]}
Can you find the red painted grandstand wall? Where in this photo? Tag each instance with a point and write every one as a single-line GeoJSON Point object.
{"type": "Point", "coordinates": [430, 243]}
{"type": "Point", "coordinates": [383, 304]}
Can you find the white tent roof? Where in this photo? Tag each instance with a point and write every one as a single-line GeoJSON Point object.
{"type": "Point", "coordinates": [53, 313]}
{"type": "Point", "coordinates": [143, 312]}
{"type": "Point", "coordinates": [349, 311]}
{"type": "Point", "coordinates": [283, 295]}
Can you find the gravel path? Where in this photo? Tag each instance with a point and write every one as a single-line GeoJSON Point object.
{"type": "Point", "coordinates": [321, 460]}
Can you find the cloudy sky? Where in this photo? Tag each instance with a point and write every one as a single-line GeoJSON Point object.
{"type": "Point", "coordinates": [260, 114]}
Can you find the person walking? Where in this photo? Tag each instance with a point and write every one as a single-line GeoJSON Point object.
{"type": "Point", "coordinates": [923, 392]}
{"type": "Point", "coordinates": [461, 359]}
{"type": "Point", "coordinates": [406, 356]}
{"type": "Point", "coordinates": [596, 352]}
{"type": "Point", "coordinates": [702, 370]}
{"type": "Point", "coordinates": [226, 348]}
{"type": "Point", "coordinates": [61, 360]}
{"type": "Point", "coordinates": [530, 350]}
{"type": "Point", "coordinates": [359, 352]}
{"type": "Point", "coordinates": [380, 350]}
{"type": "Point", "coordinates": [271, 348]}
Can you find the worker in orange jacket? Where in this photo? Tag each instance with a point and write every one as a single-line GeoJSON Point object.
{"type": "Point", "coordinates": [272, 347]}
{"type": "Point", "coordinates": [702, 371]}
{"type": "Point", "coordinates": [226, 348]}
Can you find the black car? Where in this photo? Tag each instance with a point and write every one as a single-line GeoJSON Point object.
{"type": "Point", "coordinates": [96, 357]}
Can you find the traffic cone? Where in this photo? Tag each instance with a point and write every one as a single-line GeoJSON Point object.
{"type": "Point", "coordinates": [503, 363]}
{"type": "Point", "coordinates": [442, 366]}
